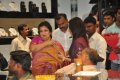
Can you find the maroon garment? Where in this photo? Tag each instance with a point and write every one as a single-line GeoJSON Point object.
{"type": "Point", "coordinates": [78, 45]}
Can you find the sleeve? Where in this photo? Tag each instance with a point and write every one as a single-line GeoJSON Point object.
{"type": "Point", "coordinates": [36, 40]}
{"type": "Point", "coordinates": [101, 48]}
{"type": "Point", "coordinates": [13, 45]}
{"type": "Point", "coordinates": [53, 36]}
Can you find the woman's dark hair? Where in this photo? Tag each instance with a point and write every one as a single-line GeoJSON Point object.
{"type": "Point", "coordinates": [77, 27]}
{"type": "Point", "coordinates": [45, 23]}
{"type": "Point", "coordinates": [3, 62]}
{"type": "Point", "coordinates": [78, 30]}
{"type": "Point", "coordinates": [22, 57]}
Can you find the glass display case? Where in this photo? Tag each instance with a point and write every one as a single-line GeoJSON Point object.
{"type": "Point", "coordinates": [9, 20]}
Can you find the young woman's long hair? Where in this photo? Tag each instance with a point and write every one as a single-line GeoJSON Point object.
{"type": "Point", "coordinates": [78, 30]}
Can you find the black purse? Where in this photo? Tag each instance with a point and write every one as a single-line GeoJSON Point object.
{"type": "Point", "coordinates": [3, 62]}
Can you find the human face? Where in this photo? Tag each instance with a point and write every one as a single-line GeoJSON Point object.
{"type": "Point", "coordinates": [108, 20]}
{"type": "Point", "coordinates": [45, 33]}
{"type": "Point", "coordinates": [90, 28]}
{"type": "Point", "coordinates": [25, 31]}
{"type": "Point", "coordinates": [62, 24]}
{"type": "Point", "coordinates": [12, 65]}
{"type": "Point", "coordinates": [118, 15]}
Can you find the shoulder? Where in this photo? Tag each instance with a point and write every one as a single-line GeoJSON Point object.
{"type": "Point", "coordinates": [28, 39]}
{"type": "Point", "coordinates": [80, 40]}
{"type": "Point", "coordinates": [112, 27]}
{"type": "Point", "coordinates": [36, 39]}
{"type": "Point", "coordinates": [56, 31]}
{"type": "Point", "coordinates": [15, 39]}
{"type": "Point", "coordinates": [100, 38]}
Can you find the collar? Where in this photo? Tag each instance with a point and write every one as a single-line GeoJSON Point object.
{"type": "Point", "coordinates": [93, 36]}
{"type": "Point", "coordinates": [68, 30]}
{"type": "Point", "coordinates": [21, 38]}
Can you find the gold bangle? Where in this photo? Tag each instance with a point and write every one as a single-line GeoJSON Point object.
{"type": "Point", "coordinates": [78, 64]}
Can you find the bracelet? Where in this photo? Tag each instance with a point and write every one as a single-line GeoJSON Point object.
{"type": "Point", "coordinates": [78, 64]}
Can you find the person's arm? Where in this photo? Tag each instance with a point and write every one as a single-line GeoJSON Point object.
{"type": "Point", "coordinates": [79, 64]}
{"type": "Point", "coordinates": [36, 47]}
{"type": "Point", "coordinates": [101, 47]}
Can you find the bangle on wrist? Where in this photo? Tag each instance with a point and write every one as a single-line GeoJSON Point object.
{"type": "Point", "coordinates": [78, 64]}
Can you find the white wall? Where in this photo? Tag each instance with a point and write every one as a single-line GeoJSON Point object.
{"type": "Point", "coordinates": [83, 7]}
{"type": "Point", "coordinates": [64, 7]}
{"type": "Point", "coordinates": [5, 50]}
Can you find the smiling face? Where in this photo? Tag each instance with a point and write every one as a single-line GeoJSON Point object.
{"type": "Point", "coordinates": [45, 33]}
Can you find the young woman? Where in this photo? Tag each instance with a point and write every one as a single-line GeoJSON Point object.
{"type": "Point", "coordinates": [79, 37]}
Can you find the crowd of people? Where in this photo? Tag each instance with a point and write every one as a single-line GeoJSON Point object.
{"type": "Point", "coordinates": [73, 41]}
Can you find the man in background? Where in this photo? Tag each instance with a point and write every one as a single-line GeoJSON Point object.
{"type": "Point", "coordinates": [62, 33]}
{"type": "Point", "coordinates": [115, 28]}
{"type": "Point", "coordinates": [109, 18]}
{"type": "Point", "coordinates": [21, 42]}
{"type": "Point", "coordinates": [97, 42]}
{"type": "Point", "coordinates": [19, 65]}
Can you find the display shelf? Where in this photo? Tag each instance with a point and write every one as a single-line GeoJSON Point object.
{"type": "Point", "coordinates": [7, 40]}
{"type": "Point", "coordinates": [24, 15]}
{"type": "Point", "coordinates": [4, 14]}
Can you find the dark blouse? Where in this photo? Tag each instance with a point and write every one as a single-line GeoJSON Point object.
{"type": "Point", "coordinates": [77, 46]}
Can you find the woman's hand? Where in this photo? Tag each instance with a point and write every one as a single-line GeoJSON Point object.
{"type": "Point", "coordinates": [51, 42]}
{"type": "Point", "coordinates": [64, 58]}
{"type": "Point", "coordinates": [79, 64]}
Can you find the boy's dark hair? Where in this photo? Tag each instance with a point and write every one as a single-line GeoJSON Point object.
{"type": "Point", "coordinates": [90, 19]}
{"type": "Point", "coordinates": [109, 13]}
{"type": "Point", "coordinates": [23, 58]}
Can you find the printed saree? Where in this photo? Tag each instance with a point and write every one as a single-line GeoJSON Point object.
{"type": "Point", "coordinates": [46, 60]}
